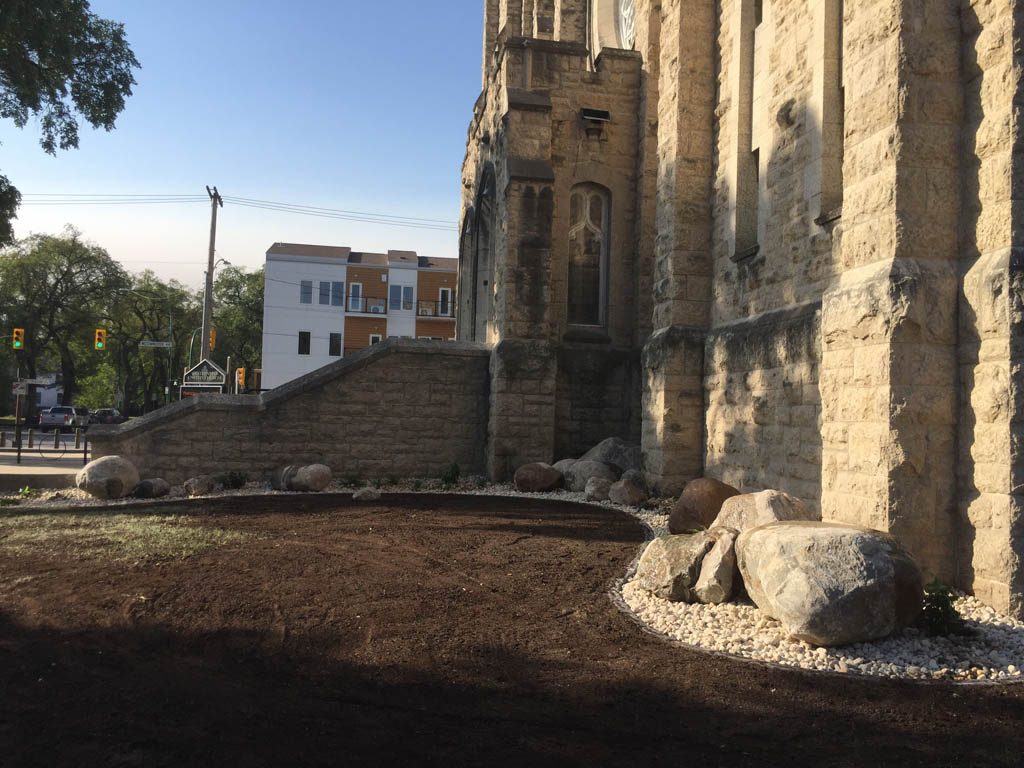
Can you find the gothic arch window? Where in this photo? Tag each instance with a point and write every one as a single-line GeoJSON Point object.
{"type": "Point", "coordinates": [589, 215]}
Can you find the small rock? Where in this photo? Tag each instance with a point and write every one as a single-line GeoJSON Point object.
{"type": "Point", "coordinates": [111, 477]}
{"type": "Point", "coordinates": [718, 571]}
{"type": "Point", "coordinates": [617, 452]}
{"type": "Point", "coordinates": [201, 485]}
{"type": "Point", "coordinates": [563, 465]}
{"type": "Point", "coordinates": [628, 493]}
{"type": "Point", "coordinates": [598, 488]}
{"type": "Point", "coordinates": [281, 478]}
{"type": "Point", "coordinates": [366, 494]}
{"type": "Point", "coordinates": [152, 489]}
{"type": "Point", "coordinates": [537, 477]}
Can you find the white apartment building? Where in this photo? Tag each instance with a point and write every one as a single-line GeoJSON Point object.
{"type": "Point", "coordinates": [323, 302]}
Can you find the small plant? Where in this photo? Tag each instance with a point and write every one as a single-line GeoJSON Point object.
{"type": "Point", "coordinates": [28, 492]}
{"type": "Point", "coordinates": [482, 481]}
{"type": "Point", "coordinates": [392, 480]}
{"type": "Point", "coordinates": [417, 485]}
{"type": "Point", "coordinates": [450, 476]}
{"type": "Point", "coordinates": [378, 483]}
{"type": "Point", "coordinates": [7, 501]}
{"type": "Point", "coordinates": [232, 481]}
{"type": "Point", "coordinates": [353, 481]}
{"type": "Point", "coordinates": [939, 616]}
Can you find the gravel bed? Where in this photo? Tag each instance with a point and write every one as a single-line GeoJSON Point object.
{"type": "Point", "coordinates": [992, 652]}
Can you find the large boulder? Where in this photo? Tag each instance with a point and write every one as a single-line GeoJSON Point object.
{"type": "Point", "coordinates": [563, 465]}
{"type": "Point", "coordinates": [828, 583]}
{"type": "Point", "coordinates": [577, 475]}
{"type": "Point", "coordinates": [670, 566]}
{"type": "Point", "coordinates": [155, 488]}
{"type": "Point", "coordinates": [312, 478]}
{"type": "Point", "coordinates": [537, 477]}
{"type": "Point", "coordinates": [629, 492]}
{"type": "Point", "coordinates": [750, 510]}
{"type": "Point", "coordinates": [699, 505]}
{"type": "Point", "coordinates": [281, 478]}
{"type": "Point", "coordinates": [111, 477]}
{"type": "Point", "coordinates": [617, 452]}
{"type": "Point", "coordinates": [718, 572]}
{"type": "Point", "coordinates": [597, 489]}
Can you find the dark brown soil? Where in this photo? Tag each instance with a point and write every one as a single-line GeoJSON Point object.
{"type": "Point", "coordinates": [424, 630]}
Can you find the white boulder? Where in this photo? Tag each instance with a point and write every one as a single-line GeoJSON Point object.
{"type": "Point", "coordinates": [670, 566]}
{"type": "Point", "coordinates": [111, 477]}
{"type": "Point", "coordinates": [749, 510]}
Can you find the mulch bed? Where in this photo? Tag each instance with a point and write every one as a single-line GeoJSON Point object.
{"type": "Point", "coordinates": [422, 630]}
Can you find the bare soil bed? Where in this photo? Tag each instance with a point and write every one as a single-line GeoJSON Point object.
{"type": "Point", "coordinates": [456, 630]}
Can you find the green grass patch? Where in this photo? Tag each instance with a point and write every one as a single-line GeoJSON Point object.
{"type": "Point", "coordinates": [121, 537]}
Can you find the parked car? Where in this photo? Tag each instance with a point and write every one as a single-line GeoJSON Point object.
{"type": "Point", "coordinates": [107, 416]}
{"type": "Point", "coordinates": [62, 417]}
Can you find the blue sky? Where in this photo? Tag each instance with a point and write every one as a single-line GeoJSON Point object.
{"type": "Point", "coordinates": [338, 104]}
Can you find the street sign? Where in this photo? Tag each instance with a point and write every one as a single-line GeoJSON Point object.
{"type": "Point", "coordinates": [37, 382]}
{"type": "Point", "coordinates": [207, 373]}
{"type": "Point", "coordinates": [18, 388]}
{"type": "Point", "coordinates": [155, 344]}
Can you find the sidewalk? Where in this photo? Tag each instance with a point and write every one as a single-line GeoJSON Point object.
{"type": "Point", "coordinates": [36, 471]}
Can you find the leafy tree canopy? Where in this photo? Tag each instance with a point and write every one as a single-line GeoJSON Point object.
{"type": "Point", "coordinates": [59, 61]}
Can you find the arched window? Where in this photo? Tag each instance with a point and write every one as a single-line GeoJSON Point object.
{"type": "Point", "coordinates": [589, 207]}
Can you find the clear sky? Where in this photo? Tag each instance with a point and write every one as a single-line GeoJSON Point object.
{"type": "Point", "coordinates": [339, 104]}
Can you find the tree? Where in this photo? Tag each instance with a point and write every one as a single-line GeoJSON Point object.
{"type": "Point", "coordinates": [238, 306]}
{"type": "Point", "coordinates": [59, 61]}
{"type": "Point", "coordinates": [59, 289]}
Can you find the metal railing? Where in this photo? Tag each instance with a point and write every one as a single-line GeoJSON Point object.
{"type": "Point", "coordinates": [365, 305]}
{"type": "Point", "coordinates": [444, 309]}
{"type": "Point", "coordinates": [55, 446]}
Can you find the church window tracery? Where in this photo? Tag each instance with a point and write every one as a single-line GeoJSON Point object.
{"type": "Point", "coordinates": [589, 206]}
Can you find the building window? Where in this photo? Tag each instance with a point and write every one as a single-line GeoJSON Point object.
{"type": "Point", "coordinates": [306, 292]}
{"type": "Point", "coordinates": [444, 302]}
{"type": "Point", "coordinates": [407, 298]}
{"type": "Point", "coordinates": [355, 297]}
{"type": "Point", "coordinates": [589, 210]}
{"type": "Point", "coordinates": [395, 297]}
{"type": "Point", "coordinates": [375, 338]}
{"type": "Point", "coordinates": [304, 337]}
{"type": "Point", "coordinates": [325, 292]}
{"type": "Point", "coordinates": [337, 294]}
{"type": "Point", "coordinates": [334, 348]}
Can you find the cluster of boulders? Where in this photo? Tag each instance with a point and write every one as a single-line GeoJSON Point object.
{"type": "Point", "coordinates": [826, 583]}
{"type": "Point", "coordinates": [311, 478]}
{"type": "Point", "coordinates": [608, 471]}
{"type": "Point", "coordinates": [115, 477]}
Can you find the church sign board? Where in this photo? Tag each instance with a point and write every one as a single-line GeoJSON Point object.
{"type": "Point", "coordinates": [204, 379]}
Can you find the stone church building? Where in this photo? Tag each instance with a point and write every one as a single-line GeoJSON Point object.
{"type": "Point", "coordinates": [774, 241]}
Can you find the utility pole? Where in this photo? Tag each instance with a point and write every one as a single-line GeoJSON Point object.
{"type": "Point", "coordinates": [215, 202]}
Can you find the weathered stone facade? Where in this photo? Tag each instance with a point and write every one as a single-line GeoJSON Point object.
{"type": "Point", "coordinates": [810, 257]}
{"type": "Point", "coordinates": [403, 408]}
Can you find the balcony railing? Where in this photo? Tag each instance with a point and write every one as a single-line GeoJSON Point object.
{"type": "Point", "coordinates": [372, 306]}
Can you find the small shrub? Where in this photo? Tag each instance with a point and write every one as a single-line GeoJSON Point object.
{"type": "Point", "coordinates": [28, 492]}
{"type": "Point", "coordinates": [232, 481]}
{"type": "Point", "coordinates": [939, 616]}
{"type": "Point", "coordinates": [450, 476]}
{"type": "Point", "coordinates": [482, 481]}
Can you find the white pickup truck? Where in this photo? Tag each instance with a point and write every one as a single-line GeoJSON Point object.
{"type": "Point", "coordinates": [63, 417]}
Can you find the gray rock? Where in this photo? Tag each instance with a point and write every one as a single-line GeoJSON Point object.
{"type": "Point", "coordinates": [577, 475]}
{"type": "Point", "coordinates": [281, 478]}
{"type": "Point", "coordinates": [636, 477]}
{"type": "Point", "coordinates": [699, 505]}
{"type": "Point", "coordinates": [670, 566]}
{"type": "Point", "coordinates": [111, 477]}
{"type": "Point", "coordinates": [366, 494]}
{"type": "Point", "coordinates": [628, 493]}
{"type": "Point", "coordinates": [750, 510]}
{"type": "Point", "coordinates": [617, 452]}
{"type": "Point", "coordinates": [597, 488]}
{"type": "Point", "coordinates": [718, 572]}
{"type": "Point", "coordinates": [537, 477]}
{"type": "Point", "coordinates": [152, 489]}
{"type": "Point", "coordinates": [830, 584]}
{"type": "Point", "coordinates": [201, 485]}
{"type": "Point", "coordinates": [311, 479]}
{"type": "Point", "coordinates": [564, 465]}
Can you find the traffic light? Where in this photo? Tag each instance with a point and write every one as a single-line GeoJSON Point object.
{"type": "Point", "coordinates": [241, 378]}
{"type": "Point", "coordinates": [101, 338]}
{"type": "Point", "coordinates": [213, 339]}
{"type": "Point", "coordinates": [18, 338]}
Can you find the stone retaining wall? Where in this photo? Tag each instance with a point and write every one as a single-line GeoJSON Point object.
{"type": "Point", "coordinates": [404, 408]}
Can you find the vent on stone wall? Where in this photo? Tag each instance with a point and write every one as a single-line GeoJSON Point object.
{"type": "Point", "coordinates": [594, 120]}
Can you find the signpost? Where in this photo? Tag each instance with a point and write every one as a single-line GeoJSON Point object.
{"type": "Point", "coordinates": [147, 344]}
{"type": "Point", "coordinates": [205, 378]}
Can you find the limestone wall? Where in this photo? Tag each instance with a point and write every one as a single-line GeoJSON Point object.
{"type": "Point", "coordinates": [763, 403]}
{"type": "Point", "coordinates": [404, 408]}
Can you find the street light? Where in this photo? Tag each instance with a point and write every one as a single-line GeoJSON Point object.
{"type": "Point", "coordinates": [208, 302]}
